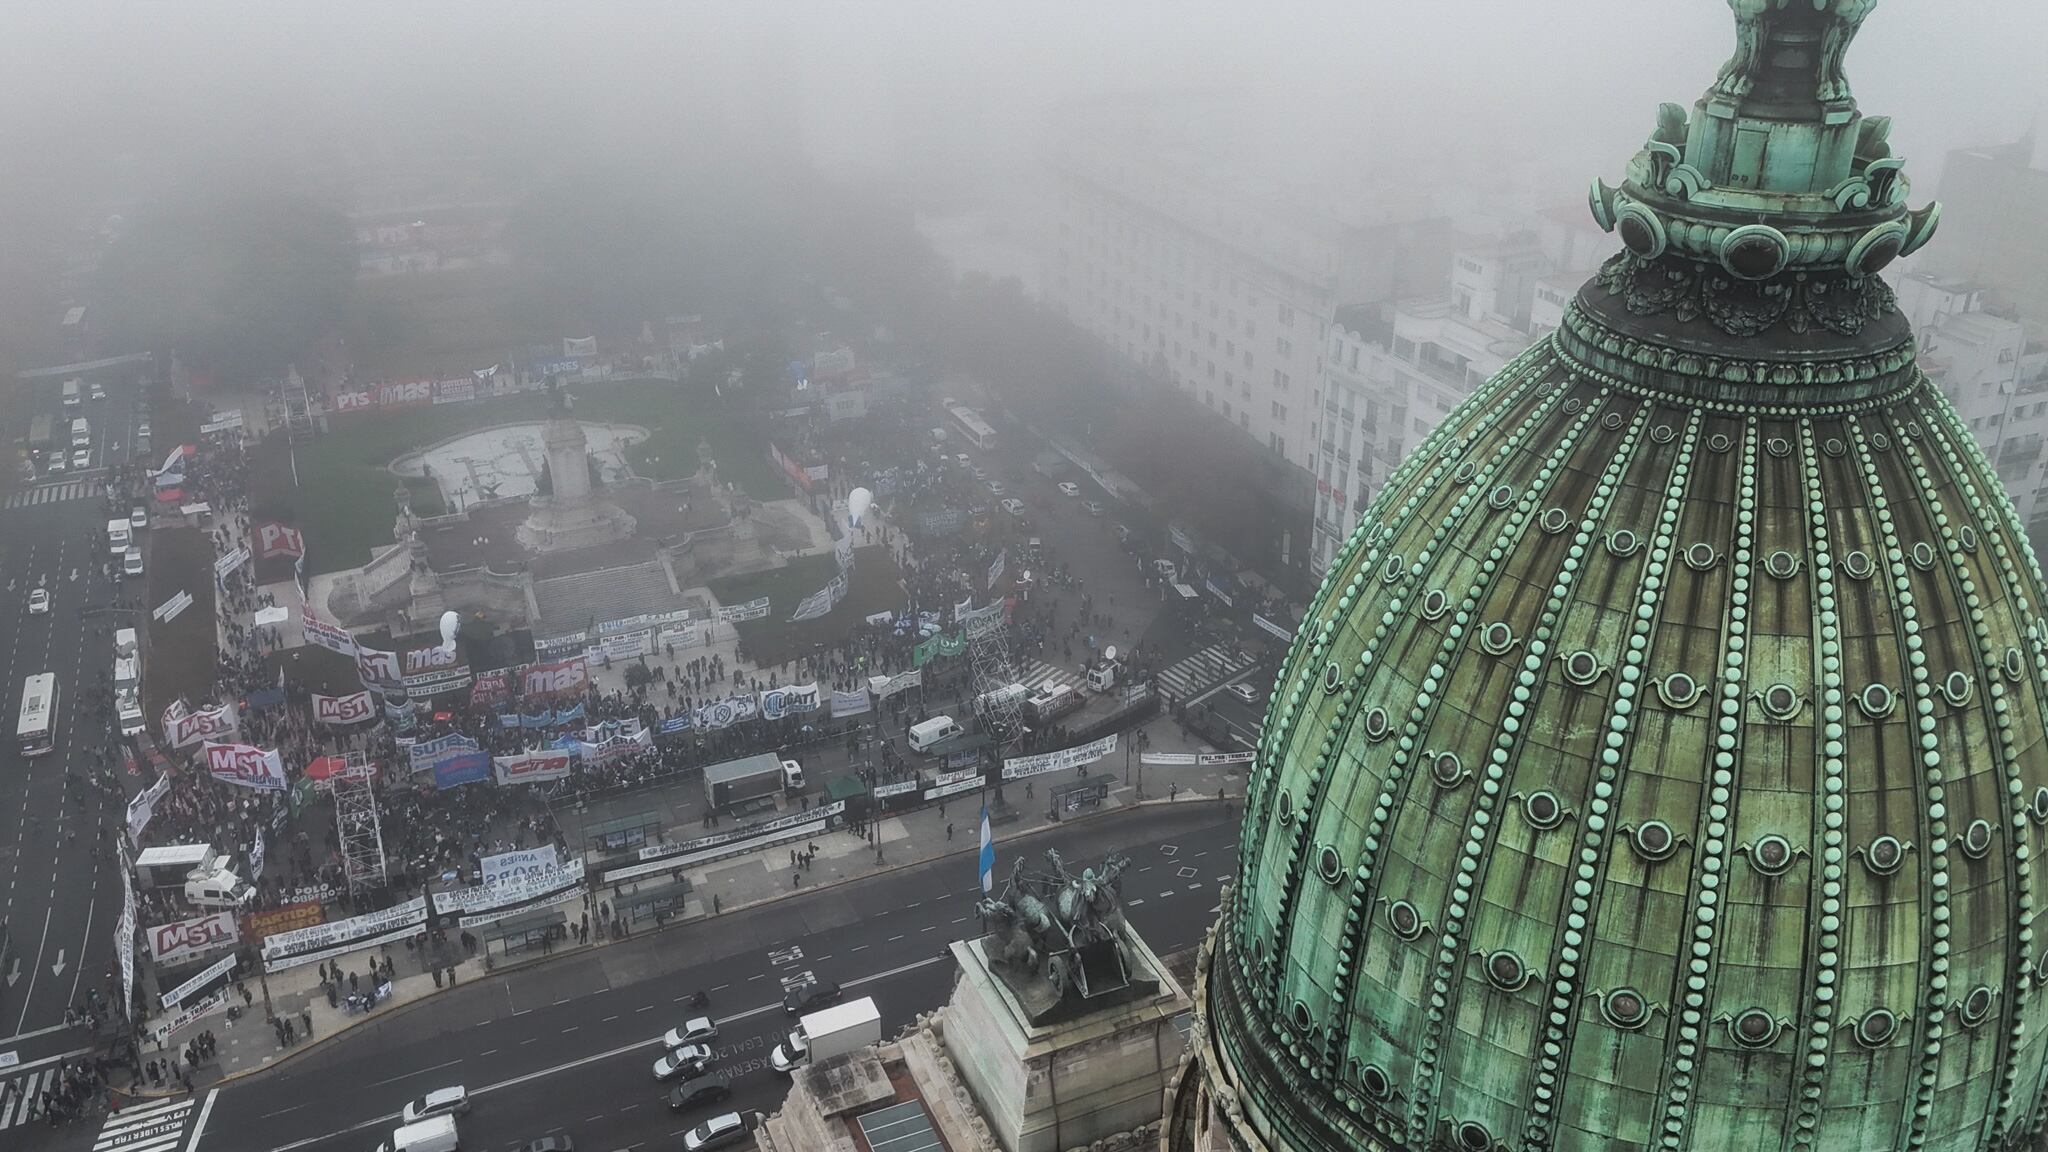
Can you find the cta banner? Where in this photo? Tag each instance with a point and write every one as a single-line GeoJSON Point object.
{"type": "Point", "coordinates": [329, 636]}
{"type": "Point", "coordinates": [1018, 767]}
{"type": "Point", "coordinates": [190, 728]}
{"type": "Point", "coordinates": [517, 865]}
{"type": "Point", "coordinates": [791, 701]}
{"type": "Point", "coordinates": [532, 767]}
{"type": "Point", "coordinates": [245, 766]}
{"type": "Point", "coordinates": [274, 539]}
{"type": "Point", "coordinates": [176, 941]}
{"type": "Point", "coordinates": [560, 678]}
{"type": "Point", "coordinates": [351, 709]}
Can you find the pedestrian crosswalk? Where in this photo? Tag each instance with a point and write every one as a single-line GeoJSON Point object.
{"type": "Point", "coordinates": [1038, 674]}
{"type": "Point", "coordinates": [55, 493]}
{"type": "Point", "coordinates": [157, 1126]}
{"type": "Point", "coordinates": [1203, 670]}
{"type": "Point", "coordinates": [18, 1095]}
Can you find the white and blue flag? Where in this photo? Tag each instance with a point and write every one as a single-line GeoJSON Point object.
{"type": "Point", "coordinates": [988, 853]}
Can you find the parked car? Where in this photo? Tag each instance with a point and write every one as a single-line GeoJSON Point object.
{"type": "Point", "coordinates": [980, 473]}
{"type": "Point", "coordinates": [699, 1030]}
{"type": "Point", "coordinates": [56, 463]}
{"type": "Point", "coordinates": [995, 488]}
{"type": "Point", "coordinates": [717, 1132]}
{"type": "Point", "coordinates": [1244, 692]}
{"type": "Point", "coordinates": [453, 1101]}
{"type": "Point", "coordinates": [1070, 488]}
{"type": "Point", "coordinates": [1014, 507]}
{"type": "Point", "coordinates": [81, 458]}
{"type": "Point", "coordinates": [131, 561]}
{"type": "Point", "coordinates": [550, 1144]}
{"type": "Point", "coordinates": [810, 997]}
{"type": "Point", "coordinates": [138, 517]}
{"type": "Point", "coordinates": [695, 1094]}
{"type": "Point", "coordinates": [38, 601]}
{"type": "Point", "coordinates": [1092, 507]}
{"type": "Point", "coordinates": [686, 1062]}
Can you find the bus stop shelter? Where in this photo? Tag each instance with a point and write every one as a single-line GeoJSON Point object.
{"type": "Point", "coordinates": [526, 932]}
{"type": "Point", "coordinates": [623, 832]}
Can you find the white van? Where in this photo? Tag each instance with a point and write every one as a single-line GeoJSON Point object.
{"type": "Point", "coordinates": [434, 1134]}
{"type": "Point", "coordinates": [120, 536]}
{"type": "Point", "coordinates": [792, 776]}
{"type": "Point", "coordinates": [219, 888]}
{"type": "Point", "coordinates": [71, 392]}
{"type": "Point", "coordinates": [935, 731]}
{"type": "Point", "coordinates": [81, 433]}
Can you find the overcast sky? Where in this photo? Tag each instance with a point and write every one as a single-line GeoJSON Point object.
{"type": "Point", "coordinates": [165, 85]}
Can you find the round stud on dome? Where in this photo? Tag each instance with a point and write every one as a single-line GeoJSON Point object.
{"type": "Point", "coordinates": [1858, 565]}
{"type": "Point", "coordinates": [1771, 855]}
{"type": "Point", "coordinates": [1653, 840]}
{"type": "Point", "coordinates": [1884, 855]}
{"type": "Point", "coordinates": [1876, 248]}
{"type": "Point", "coordinates": [1435, 604]}
{"type": "Point", "coordinates": [1473, 1137]}
{"type": "Point", "coordinates": [1581, 667]}
{"type": "Point", "coordinates": [1876, 1028]}
{"type": "Point", "coordinates": [1447, 770]}
{"type": "Point", "coordinates": [1404, 920]}
{"type": "Point", "coordinates": [1506, 970]}
{"type": "Point", "coordinates": [1782, 564]}
{"type": "Point", "coordinates": [1374, 1081]}
{"type": "Point", "coordinates": [1625, 1008]}
{"type": "Point", "coordinates": [1755, 252]}
{"type": "Point", "coordinates": [1754, 1028]}
{"type": "Point", "coordinates": [1719, 442]}
{"type": "Point", "coordinates": [1543, 810]}
{"type": "Point", "coordinates": [1679, 690]}
{"type": "Point", "coordinates": [1496, 639]}
{"type": "Point", "coordinates": [1376, 724]}
{"type": "Point", "coordinates": [1977, 839]}
{"type": "Point", "coordinates": [1781, 702]}
{"type": "Point", "coordinates": [1876, 701]}
{"type": "Point", "coordinates": [1700, 557]}
{"type": "Point", "coordinates": [1501, 496]}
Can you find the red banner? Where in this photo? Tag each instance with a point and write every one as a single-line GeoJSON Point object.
{"type": "Point", "coordinates": [494, 687]}
{"type": "Point", "coordinates": [274, 539]}
{"type": "Point", "coordinates": [561, 678]}
{"type": "Point", "coordinates": [185, 937]}
{"type": "Point", "coordinates": [246, 765]}
{"type": "Point", "coordinates": [326, 769]}
{"type": "Point", "coordinates": [284, 918]}
{"type": "Point", "coordinates": [532, 767]}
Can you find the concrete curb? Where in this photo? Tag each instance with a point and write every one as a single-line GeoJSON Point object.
{"type": "Point", "coordinates": [399, 1009]}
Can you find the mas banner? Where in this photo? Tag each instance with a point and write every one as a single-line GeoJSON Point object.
{"type": "Point", "coordinates": [430, 670]}
{"type": "Point", "coordinates": [176, 941]}
{"type": "Point", "coordinates": [274, 539]}
{"type": "Point", "coordinates": [561, 678]}
{"type": "Point", "coordinates": [351, 709]}
{"type": "Point", "coordinates": [329, 636]}
{"type": "Point", "coordinates": [851, 703]}
{"type": "Point", "coordinates": [192, 727]}
{"type": "Point", "coordinates": [793, 700]}
{"type": "Point", "coordinates": [532, 767]}
{"type": "Point", "coordinates": [245, 766]}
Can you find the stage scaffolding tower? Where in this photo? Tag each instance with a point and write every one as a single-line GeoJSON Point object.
{"type": "Point", "coordinates": [362, 833]}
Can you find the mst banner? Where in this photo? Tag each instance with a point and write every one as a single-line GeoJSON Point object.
{"type": "Point", "coordinates": [351, 709]}
{"type": "Point", "coordinates": [189, 728]}
{"type": "Point", "coordinates": [176, 941]}
{"type": "Point", "coordinates": [246, 766]}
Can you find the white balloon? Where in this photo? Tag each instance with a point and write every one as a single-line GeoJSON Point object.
{"type": "Point", "coordinates": [450, 624]}
{"type": "Point", "coordinates": [857, 502]}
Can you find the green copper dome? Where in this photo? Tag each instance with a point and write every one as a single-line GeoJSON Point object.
{"type": "Point", "coordinates": [1662, 764]}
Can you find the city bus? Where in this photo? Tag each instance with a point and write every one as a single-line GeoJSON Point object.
{"type": "Point", "coordinates": [37, 730]}
{"type": "Point", "coordinates": [969, 423]}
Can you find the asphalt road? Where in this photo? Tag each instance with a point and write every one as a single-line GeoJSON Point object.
{"type": "Point", "coordinates": [568, 1046]}
{"type": "Point", "coordinates": [58, 899]}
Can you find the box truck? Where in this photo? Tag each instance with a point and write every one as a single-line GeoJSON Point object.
{"type": "Point", "coordinates": [829, 1032]}
{"type": "Point", "coordinates": [749, 777]}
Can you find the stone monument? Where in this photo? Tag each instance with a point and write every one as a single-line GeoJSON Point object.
{"type": "Point", "coordinates": [573, 515]}
{"type": "Point", "coordinates": [1062, 1023]}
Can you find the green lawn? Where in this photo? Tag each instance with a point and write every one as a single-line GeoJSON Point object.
{"type": "Point", "coordinates": [775, 640]}
{"type": "Point", "coordinates": [342, 495]}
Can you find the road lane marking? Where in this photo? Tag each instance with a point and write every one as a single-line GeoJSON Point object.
{"type": "Point", "coordinates": [609, 1019]}
{"type": "Point", "coordinates": [893, 939]}
{"type": "Point", "coordinates": [488, 1052]}
{"type": "Point", "coordinates": [570, 1028]}
{"type": "Point", "coordinates": [199, 1127]}
{"type": "Point", "coordinates": [406, 1075]}
{"type": "Point", "coordinates": [645, 1008]}
{"type": "Point", "coordinates": [859, 947]}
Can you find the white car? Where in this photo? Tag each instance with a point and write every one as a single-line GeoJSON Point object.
{"type": "Point", "coordinates": [440, 1102]}
{"type": "Point", "coordinates": [131, 562]}
{"type": "Point", "coordinates": [995, 488]}
{"type": "Point", "coordinates": [56, 463]}
{"type": "Point", "coordinates": [138, 517]}
{"type": "Point", "coordinates": [81, 457]}
{"type": "Point", "coordinates": [1014, 507]}
{"type": "Point", "coordinates": [1070, 488]}
{"type": "Point", "coordinates": [717, 1132]}
{"type": "Point", "coordinates": [697, 1030]}
{"type": "Point", "coordinates": [689, 1060]}
{"type": "Point", "coordinates": [38, 601]}
{"type": "Point", "coordinates": [1244, 692]}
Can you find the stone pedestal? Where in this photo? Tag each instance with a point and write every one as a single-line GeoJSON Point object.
{"type": "Point", "coordinates": [1088, 1077]}
{"type": "Point", "coordinates": [574, 516]}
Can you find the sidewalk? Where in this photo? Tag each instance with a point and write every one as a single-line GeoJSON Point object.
{"type": "Point", "coordinates": [250, 1044]}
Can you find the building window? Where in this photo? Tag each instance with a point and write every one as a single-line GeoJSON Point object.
{"type": "Point", "coordinates": [1404, 349]}
{"type": "Point", "coordinates": [1278, 443]}
{"type": "Point", "coordinates": [1279, 411]}
{"type": "Point", "coordinates": [1247, 357]}
{"type": "Point", "coordinates": [1464, 302]}
{"type": "Point", "coordinates": [1283, 345]}
{"type": "Point", "coordinates": [1286, 316]}
{"type": "Point", "coordinates": [1280, 380]}
{"type": "Point", "coordinates": [1244, 421]}
{"type": "Point", "coordinates": [1210, 398]}
{"type": "Point", "coordinates": [1228, 412]}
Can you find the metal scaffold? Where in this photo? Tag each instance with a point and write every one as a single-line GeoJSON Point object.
{"type": "Point", "coordinates": [988, 655]}
{"type": "Point", "coordinates": [362, 834]}
{"type": "Point", "coordinates": [298, 409]}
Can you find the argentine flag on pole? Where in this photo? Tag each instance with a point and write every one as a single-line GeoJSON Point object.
{"type": "Point", "coordinates": [988, 853]}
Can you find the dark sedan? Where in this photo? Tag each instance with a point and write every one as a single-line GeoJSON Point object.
{"type": "Point", "coordinates": [809, 998]}
{"type": "Point", "coordinates": [700, 1094]}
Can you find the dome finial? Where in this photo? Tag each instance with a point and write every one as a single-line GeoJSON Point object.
{"type": "Point", "coordinates": [1790, 51]}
